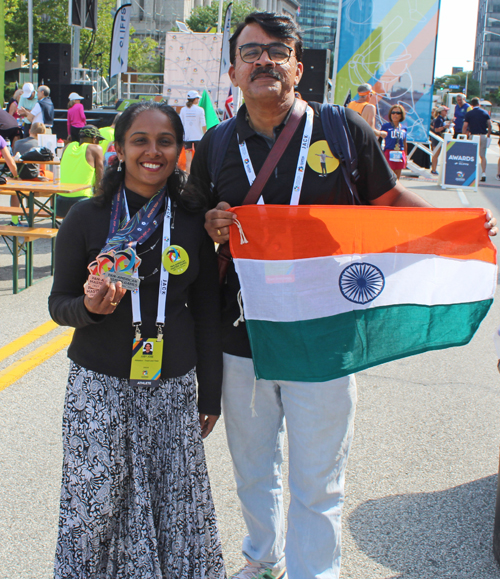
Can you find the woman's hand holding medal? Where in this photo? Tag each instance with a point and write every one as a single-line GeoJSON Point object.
{"type": "Point", "coordinates": [102, 293]}
{"type": "Point", "coordinates": [106, 299]}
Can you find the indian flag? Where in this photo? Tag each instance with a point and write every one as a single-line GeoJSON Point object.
{"type": "Point", "coordinates": [331, 290]}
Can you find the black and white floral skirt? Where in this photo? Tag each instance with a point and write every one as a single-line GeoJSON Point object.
{"type": "Point", "coordinates": [135, 499]}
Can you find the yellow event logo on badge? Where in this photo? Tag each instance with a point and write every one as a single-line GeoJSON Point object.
{"type": "Point", "coordinates": [175, 259]}
{"type": "Point", "coordinates": [320, 158]}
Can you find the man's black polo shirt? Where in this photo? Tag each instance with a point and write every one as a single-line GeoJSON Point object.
{"type": "Point", "coordinates": [376, 178]}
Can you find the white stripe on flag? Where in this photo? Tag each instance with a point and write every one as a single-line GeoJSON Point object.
{"type": "Point", "coordinates": [306, 289]}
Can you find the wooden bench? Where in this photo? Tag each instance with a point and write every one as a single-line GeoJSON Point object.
{"type": "Point", "coordinates": [20, 240]}
{"type": "Point", "coordinates": [19, 212]}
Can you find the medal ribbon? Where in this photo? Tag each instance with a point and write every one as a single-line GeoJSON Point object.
{"type": "Point", "coordinates": [129, 232]}
{"type": "Point", "coordinates": [301, 164]}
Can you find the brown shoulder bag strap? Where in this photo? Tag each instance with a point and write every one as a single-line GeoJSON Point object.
{"type": "Point", "coordinates": [276, 153]}
{"type": "Point", "coordinates": [272, 160]}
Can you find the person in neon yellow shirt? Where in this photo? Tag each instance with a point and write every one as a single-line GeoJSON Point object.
{"type": "Point", "coordinates": [108, 134]}
{"type": "Point", "coordinates": [82, 163]}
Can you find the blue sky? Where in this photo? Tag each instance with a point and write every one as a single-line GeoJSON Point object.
{"type": "Point", "coordinates": [456, 35]}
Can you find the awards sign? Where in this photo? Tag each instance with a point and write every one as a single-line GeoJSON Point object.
{"type": "Point", "coordinates": [461, 163]}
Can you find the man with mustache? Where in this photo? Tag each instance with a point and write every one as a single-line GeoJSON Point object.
{"type": "Point", "coordinates": [265, 54]}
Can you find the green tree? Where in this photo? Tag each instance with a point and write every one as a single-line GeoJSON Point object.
{"type": "Point", "coordinates": [144, 56]}
{"type": "Point", "coordinates": [206, 17]}
{"type": "Point", "coordinates": [95, 48]}
{"type": "Point", "coordinates": [50, 24]}
{"type": "Point", "coordinates": [444, 82]}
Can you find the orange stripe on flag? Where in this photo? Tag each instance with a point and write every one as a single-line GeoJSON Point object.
{"type": "Point", "coordinates": [280, 232]}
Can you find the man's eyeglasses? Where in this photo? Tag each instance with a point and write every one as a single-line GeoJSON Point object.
{"type": "Point", "coordinates": [278, 53]}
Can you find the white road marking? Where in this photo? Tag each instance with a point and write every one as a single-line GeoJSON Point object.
{"type": "Point", "coordinates": [463, 198]}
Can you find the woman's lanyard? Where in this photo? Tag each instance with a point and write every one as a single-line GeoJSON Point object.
{"type": "Point", "coordinates": [399, 137]}
{"type": "Point", "coordinates": [301, 164]}
{"type": "Point", "coordinates": [146, 225]}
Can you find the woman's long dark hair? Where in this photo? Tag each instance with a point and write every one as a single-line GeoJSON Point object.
{"type": "Point", "coordinates": [112, 179]}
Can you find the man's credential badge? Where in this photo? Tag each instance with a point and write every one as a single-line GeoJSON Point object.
{"type": "Point", "coordinates": [361, 283]}
{"type": "Point", "coordinates": [175, 259]}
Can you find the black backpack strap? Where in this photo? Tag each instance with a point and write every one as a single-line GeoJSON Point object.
{"type": "Point", "coordinates": [217, 148]}
{"type": "Point", "coordinates": [341, 143]}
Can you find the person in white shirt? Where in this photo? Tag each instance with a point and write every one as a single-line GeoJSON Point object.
{"type": "Point", "coordinates": [43, 111]}
{"type": "Point", "coordinates": [195, 126]}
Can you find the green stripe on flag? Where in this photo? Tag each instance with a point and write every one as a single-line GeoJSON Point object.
{"type": "Point", "coordinates": [327, 348]}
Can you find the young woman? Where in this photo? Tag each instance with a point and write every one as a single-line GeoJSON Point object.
{"type": "Point", "coordinates": [76, 117]}
{"type": "Point", "coordinates": [7, 157]}
{"type": "Point", "coordinates": [395, 150]}
{"type": "Point", "coordinates": [136, 500]}
{"type": "Point", "coordinates": [439, 126]}
{"type": "Point", "coordinates": [195, 126]}
{"type": "Point", "coordinates": [14, 103]}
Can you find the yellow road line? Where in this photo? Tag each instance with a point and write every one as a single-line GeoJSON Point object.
{"type": "Point", "coordinates": [29, 337]}
{"type": "Point", "coordinates": [17, 370]}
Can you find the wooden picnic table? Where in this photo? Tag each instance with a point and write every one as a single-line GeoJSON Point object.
{"type": "Point", "coordinates": [53, 162]}
{"type": "Point", "coordinates": [19, 241]}
{"type": "Point", "coordinates": [37, 199]}
{"type": "Point", "coordinates": [29, 192]}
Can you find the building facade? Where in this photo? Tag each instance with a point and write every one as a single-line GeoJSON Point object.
{"type": "Point", "coordinates": [318, 20]}
{"type": "Point", "coordinates": [487, 53]}
{"type": "Point", "coordinates": [153, 18]}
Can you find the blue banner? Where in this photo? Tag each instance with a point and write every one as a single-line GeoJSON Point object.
{"type": "Point", "coordinates": [391, 45]}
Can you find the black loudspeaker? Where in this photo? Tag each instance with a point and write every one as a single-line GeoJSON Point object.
{"type": "Point", "coordinates": [54, 63]}
{"type": "Point", "coordinates": [313, 85]}
{"type": "Point", "coordinates": [83, 13]}
{"type": "Point", "coordinates": [60, 95]}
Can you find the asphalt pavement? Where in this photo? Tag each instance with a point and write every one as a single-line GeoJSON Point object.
{"type": "Point", "coordinates": [422, 474]}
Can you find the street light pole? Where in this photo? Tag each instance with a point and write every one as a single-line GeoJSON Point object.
{"type": "Point", "coordinates": [30, 37]}
{"type": "Point", "coordinates": [467, 74]}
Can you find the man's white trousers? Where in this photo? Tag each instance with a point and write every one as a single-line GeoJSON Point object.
{"type": "Point", "coordinates": [320, 423]}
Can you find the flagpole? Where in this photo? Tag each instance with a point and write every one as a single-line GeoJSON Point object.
{"type": "Point", "coordinates": [218, 79]}
{"type": "Point", "coordinates": [30, 39]}
{"type": "Point", "coordinates": [223, 48]}
{"type": "Point", "coordinates": [219, 19]}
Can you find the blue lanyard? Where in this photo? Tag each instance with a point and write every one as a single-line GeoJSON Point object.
{"type": "Point", "coordinates": [126, 232]}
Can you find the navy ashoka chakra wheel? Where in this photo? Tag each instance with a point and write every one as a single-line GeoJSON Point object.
{"type": "Point", "coordinates": [361, 282]}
